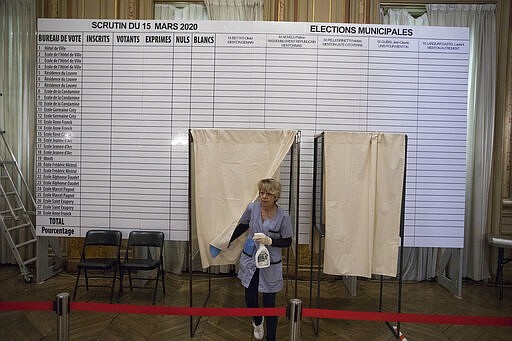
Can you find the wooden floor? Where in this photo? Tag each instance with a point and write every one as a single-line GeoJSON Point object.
{"type": "Point", "coordinates": [479, 299]}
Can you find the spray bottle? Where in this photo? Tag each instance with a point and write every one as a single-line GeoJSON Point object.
{"type": "Point", "coordinates": [262, 256]}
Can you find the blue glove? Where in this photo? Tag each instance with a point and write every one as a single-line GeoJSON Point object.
{"type": "Point", "coordinates": [214, 251]}
{"type": "Point", "coordinates": [249, 246]}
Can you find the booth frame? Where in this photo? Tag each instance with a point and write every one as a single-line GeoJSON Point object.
{"type": "Point", "coordinates": [318, 225]}
{"type": "Point", "coordinates": [294, 182]}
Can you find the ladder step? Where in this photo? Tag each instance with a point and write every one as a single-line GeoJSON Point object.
{"type": "Point", "coordinates": [30, 241]}
{"type": "Point", "coordinates": [17, 227]}
{"type": "Point", "coordinates": [17, 209]}
{"type": "Point", "coordinates": [14, 217]}
{"type": "Point", "coordinates": [29, 261]}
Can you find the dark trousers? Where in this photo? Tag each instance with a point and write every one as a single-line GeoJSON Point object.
{"type": "Point", "coordinates": [269, 301]}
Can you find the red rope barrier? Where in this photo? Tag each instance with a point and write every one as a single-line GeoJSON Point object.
{"type": "Point", "coordinates": [306, 312]}
{"type": "Point", "coordinates": [26, 306]}
{"type": "Point", "coordinates": [401, 317]}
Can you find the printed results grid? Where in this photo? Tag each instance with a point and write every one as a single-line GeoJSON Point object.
{"type": "Point", "coordinates": [138, 100]}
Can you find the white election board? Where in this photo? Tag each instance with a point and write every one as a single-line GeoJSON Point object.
{"type": "Point", "coordinates": [115, 100]}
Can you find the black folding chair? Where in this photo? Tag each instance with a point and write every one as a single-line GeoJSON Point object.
{"type": "Point", "coordinates": [100, 255]}
{"type": "Point", "coordinates": [501, 243]}
{"type": "Point", "coordinates": [144, 252]}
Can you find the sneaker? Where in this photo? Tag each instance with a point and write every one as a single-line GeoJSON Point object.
{"type": "Point", "coordinates": [258, 329]}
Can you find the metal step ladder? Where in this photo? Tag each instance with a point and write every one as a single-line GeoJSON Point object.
{"type": "Point", "coordinates": [17, 224]}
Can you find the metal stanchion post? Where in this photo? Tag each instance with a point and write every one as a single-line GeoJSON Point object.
{"type": "Point", "coordinates": [61, 307]}
{"type": "Point", "coordinates": [294, 314]}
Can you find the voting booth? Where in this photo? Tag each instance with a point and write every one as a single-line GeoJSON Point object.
{"type": "Point", "coordinates": [225, 166]}
{"type": "Point", "coordinates": [358, 206]}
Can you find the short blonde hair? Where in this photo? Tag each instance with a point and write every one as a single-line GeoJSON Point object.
{"type": "Point", "coordinates": [270, 186]}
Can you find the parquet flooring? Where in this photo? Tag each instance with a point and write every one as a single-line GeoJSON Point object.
{"type": "Point", "coordinates": [480, 299]}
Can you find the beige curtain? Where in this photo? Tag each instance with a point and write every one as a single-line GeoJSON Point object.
{"type": "Point", "coordinates": [180, 11]}
{"type": "Point", "coordinates": [421, 263]}
{"type": "Point", "coordinates": [227, 164]}
{"type": "Point", "coordinates": [243, 10]}
{"type": "Point", "coordinates": [402, 17]}
{"type": "Point", "coordinates": [481, 21]}
{"type": "Point", "coordinates": [17, 77]}
{"type": "Point", "coordinates": [363, 175]}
